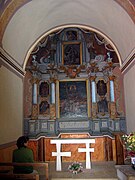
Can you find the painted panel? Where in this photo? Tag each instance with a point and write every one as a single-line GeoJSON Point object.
{"type": "Point", "coordinates": [72, 53]}
{"type": "Point", "coordinates": [73, 99]}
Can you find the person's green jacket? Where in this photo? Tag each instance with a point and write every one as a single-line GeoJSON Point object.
{"type": "Point", "coordinates": [23, 155]}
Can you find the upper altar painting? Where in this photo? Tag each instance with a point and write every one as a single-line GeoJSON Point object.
{"type": "Point", "coordinates": [73, 46]}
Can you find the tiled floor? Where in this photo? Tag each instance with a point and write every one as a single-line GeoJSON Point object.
{"type": "Point", "coordinates": [99, 171]}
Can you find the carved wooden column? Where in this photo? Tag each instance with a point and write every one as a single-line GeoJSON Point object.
{"type": "Point", "coordinates": [34, 114]}
{"type": "Point", "coordinates": [113, 111]}
{"type": "Point", "coordinates": [93, 92]}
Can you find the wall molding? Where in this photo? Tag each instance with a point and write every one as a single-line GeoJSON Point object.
{"type": "Point", "coordinates": [7, 145]}
{"type": "Point", "coordinates": [128, 63]}
{"type": "Point", "coordinates": [10, 64]}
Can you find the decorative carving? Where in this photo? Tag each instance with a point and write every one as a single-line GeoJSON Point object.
{"type": "Point", "coordinates": [72, 71]}
{"type": "Point", "coordinates": [34, 80]}
{"type": "Point", "coordinates": [111, 78]}
{"type": "Point", "coordinates": [64, 56]}
{"type": "Point", "coordinates": [34, 111]}
{"type": "Point", "coordinates": [94, 110]}
{"type": "Point", "coordinates": [113, 111]}
{"type": "Point", "coordinates": [91, 68]}
{"type": "Point", "coordinates": [53, 71]}
{"type": "Point", "coordinates": [52, 111]}
{"type": "Point", "coordinates": [92, 78]}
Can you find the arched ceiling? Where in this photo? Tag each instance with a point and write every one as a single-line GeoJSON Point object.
{"type": "Point", "coordinates": [31, 21]}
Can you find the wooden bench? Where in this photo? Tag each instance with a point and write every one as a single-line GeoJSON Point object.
{"type": "Point", "coordinates": [31, 176]}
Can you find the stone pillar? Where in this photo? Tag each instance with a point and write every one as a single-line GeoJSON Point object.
{"type": "Point", "coordinates": [34, 93]}
{"type": "Point", "coordinates": [52, 93]}
{"type": "Point", "coordinates": [112, 98]}
{"type": "Point", "coordinates": [34, 114]}
{"type": "Point", "coordinates": [53, 101]}
{"type": "Point", "coordinates": [93, 97]}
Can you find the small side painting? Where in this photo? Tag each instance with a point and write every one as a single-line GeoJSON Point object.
{"type": "Point", "coordinates": [101, 88]}
{"type": "Point", "coordinates": [44, 89]}
{"type": "Point", "coordinates": [73, 99]}
{"type": "Point", "coordinates": [44, 107]}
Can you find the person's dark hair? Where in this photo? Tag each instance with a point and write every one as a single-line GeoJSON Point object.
{"type": "Point", "coordinates": [21, 141]}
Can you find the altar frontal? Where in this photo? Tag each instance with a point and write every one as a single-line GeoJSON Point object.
{"type": "Point", "coordinates": [59, 154]}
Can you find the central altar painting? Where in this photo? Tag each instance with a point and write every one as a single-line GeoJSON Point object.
{"type": "Point", "coordinates": [73, 99]}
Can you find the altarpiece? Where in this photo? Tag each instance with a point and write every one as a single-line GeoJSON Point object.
{"type": "Point", "coordinates": [75, 85]}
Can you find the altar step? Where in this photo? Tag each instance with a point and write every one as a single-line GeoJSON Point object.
{"type": "Point", "coordinates": [100, 171]}
{"type": "Point", "coordinates": [84, 178]}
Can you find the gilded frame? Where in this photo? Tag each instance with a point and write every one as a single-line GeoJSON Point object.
{"type": "Point", "coordinates": [73, 82]}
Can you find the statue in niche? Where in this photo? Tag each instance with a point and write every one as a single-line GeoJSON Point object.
{"type": "Point", "coordinates": [44, 89]}
{"type": "Point", "coordinates": [44, 106]}
{"type": "Point", "coordinates": [101, 88]}
{"type": "Point", "coordinates": [102, 105]}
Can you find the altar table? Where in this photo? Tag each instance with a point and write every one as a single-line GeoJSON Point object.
{"type": "Point", "coordinates": [59, 154]}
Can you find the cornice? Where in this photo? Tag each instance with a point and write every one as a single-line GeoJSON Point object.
{"type": "Point", "coordinates": [10, 63]}
{"type": "Point", "coordinates": [128, 63]}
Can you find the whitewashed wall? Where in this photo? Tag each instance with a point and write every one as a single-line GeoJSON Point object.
{"type": "Point", "coordinates": [11, 106]}
{"type": "Point", "coordinates": [129, 89]}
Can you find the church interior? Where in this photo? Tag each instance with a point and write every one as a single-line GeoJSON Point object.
{"type": "Point", "coordinates": [67, 73]}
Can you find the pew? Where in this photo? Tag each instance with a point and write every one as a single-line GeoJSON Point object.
{"type": "Point", "coordinates": [10, 175]}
